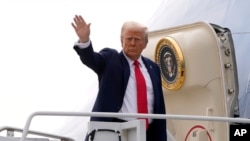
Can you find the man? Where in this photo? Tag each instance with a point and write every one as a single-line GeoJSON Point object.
{"type": "Point", "coordinates": [117, 78]}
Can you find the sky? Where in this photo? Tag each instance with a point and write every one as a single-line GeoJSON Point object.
{"type": "Point", "coordinates": [41, 72]}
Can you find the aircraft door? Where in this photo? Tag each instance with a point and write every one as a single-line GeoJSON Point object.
{"type": "Point", "coordinates": [199, 77]}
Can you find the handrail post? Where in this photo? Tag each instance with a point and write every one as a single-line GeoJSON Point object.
{"type": "Point", "coordinates": [27, 125]}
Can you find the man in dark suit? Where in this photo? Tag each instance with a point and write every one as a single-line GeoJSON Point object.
{"type": "Point", "coordinates": [115, 70]}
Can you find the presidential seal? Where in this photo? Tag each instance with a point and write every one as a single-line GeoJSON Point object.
{"type": "Point", "coordinates": [170, 59]}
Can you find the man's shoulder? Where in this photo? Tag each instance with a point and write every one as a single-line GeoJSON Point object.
{"type": "Point", "coordinates": [108, 49]}
{"type": "Point", "coordinates": [148, 60]}
{"type": "Point", "coordinates": [109, 53]}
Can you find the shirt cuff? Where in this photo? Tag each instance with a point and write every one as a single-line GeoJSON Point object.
{"type": "Point", "coordinates": [82, 45]}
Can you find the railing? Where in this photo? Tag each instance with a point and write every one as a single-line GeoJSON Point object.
{"type": "Point", "coordinates": [11, 130]}
{"type": "Point", "coordinates": [129, 115]}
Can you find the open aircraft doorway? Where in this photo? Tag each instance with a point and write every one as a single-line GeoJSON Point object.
{"type": "Point", "coordinates": [199, 76]}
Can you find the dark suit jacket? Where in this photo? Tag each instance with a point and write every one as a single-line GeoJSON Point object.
{"type": "Point", "coordinates": [113, 73]}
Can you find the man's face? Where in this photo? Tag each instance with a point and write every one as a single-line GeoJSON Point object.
{"type": "Point", "coordinates": [133, 42]}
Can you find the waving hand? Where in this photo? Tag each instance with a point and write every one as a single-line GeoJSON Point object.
{"type": "Point", "coordinates": [82, 29]}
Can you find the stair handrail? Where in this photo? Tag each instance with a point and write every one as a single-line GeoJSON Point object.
{"type": "Point", "coordinates": [38, 133]}
{"type": "Point", "coordinates": [130, 115]}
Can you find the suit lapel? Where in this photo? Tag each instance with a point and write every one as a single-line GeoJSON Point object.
{"type": "Point", "coordinates": [152, 72]}
{"type": "Point", "coordinates": [149, 67]}
{"type": "Point", "coordinates": [126, 71]}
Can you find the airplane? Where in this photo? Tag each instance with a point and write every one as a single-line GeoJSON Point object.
{"type": "Point", "coordinates": [199, 78]}
{"type": "Point", "coordinates": [178, 94]}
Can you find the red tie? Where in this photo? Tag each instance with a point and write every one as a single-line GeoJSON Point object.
{"type": "Point", "coordinates": [142, 103]}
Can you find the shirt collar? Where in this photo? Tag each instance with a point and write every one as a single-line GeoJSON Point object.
{"type": "Point", "coordinates": [130, 62]}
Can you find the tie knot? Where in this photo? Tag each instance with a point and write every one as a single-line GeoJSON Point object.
{"type": "Point", "coordinates": [136, 63]}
